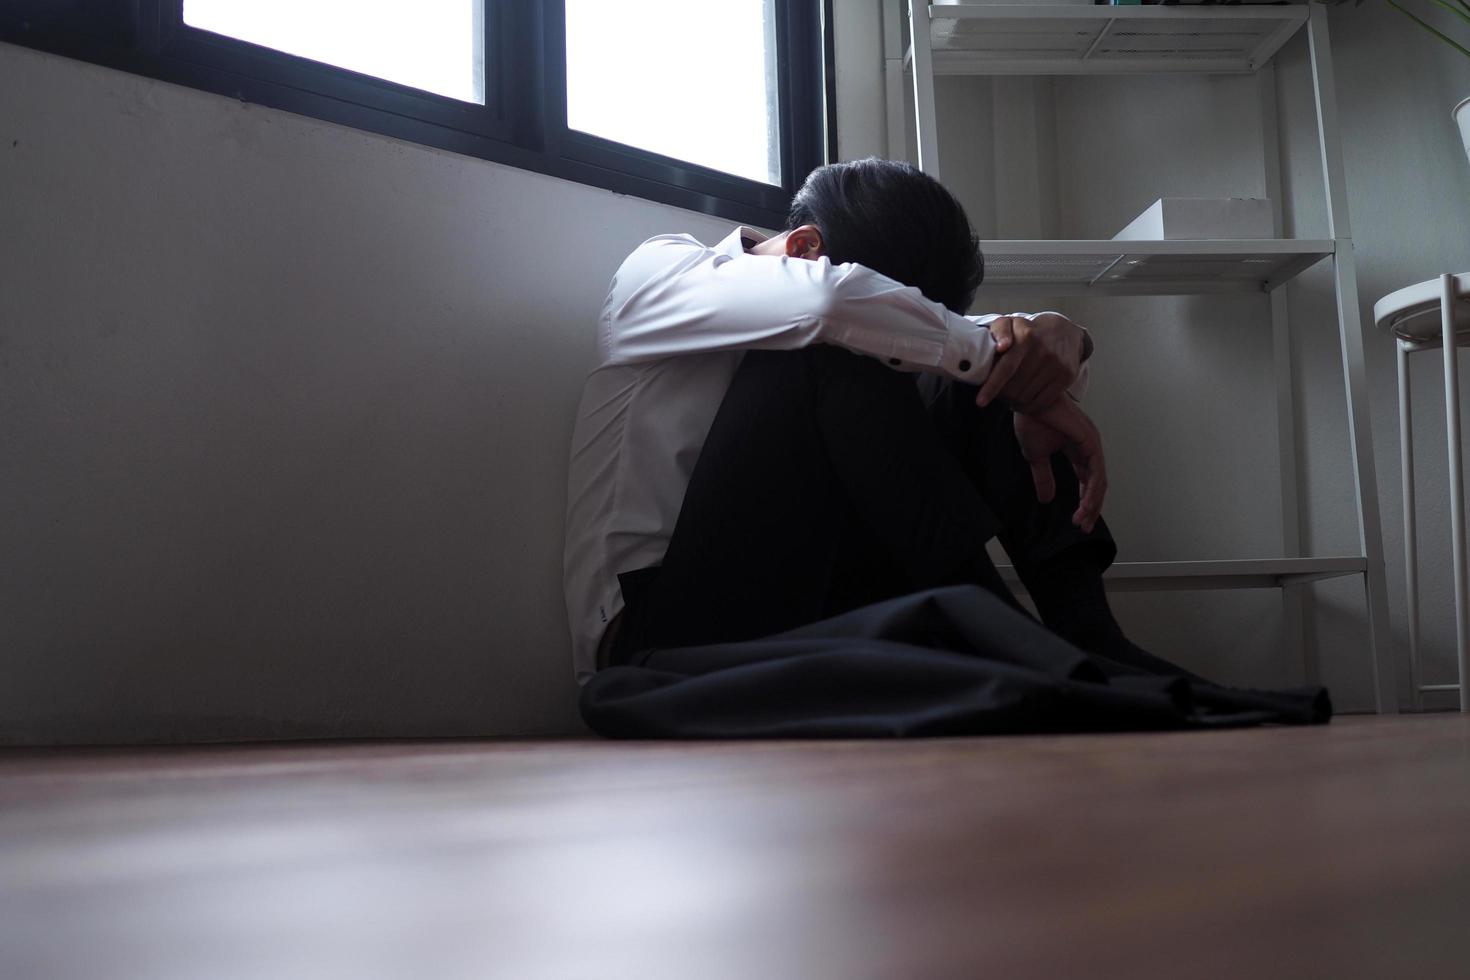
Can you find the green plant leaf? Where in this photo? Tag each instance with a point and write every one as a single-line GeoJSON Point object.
{"type": "Point", "coordinates": [1452, 8]}
{"type": "Point", "coordinates": [1431, 29]}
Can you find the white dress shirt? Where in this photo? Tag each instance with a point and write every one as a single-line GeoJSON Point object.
{"type": "Point", "coordinates": [677, 318]}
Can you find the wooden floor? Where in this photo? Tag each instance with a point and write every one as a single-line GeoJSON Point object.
{"type": "Point", "coordinates": [1341, 851]}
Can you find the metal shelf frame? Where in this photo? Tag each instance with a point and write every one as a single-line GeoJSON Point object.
{"type": "Point", "coordinates": [1253, 573]}
{"type": "Point", "coordinates": [1150, 268]}
{"type": "Point", "coordinates": [1064, 39]}
{"type": "Point", "coordinates": [1069, 39]}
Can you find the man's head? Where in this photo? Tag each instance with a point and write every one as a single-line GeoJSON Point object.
{"type": "Point", "coordinates": [892, 218]}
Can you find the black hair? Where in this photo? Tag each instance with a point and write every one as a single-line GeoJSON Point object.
{"type": "Point", "coordinates": [895, 219]}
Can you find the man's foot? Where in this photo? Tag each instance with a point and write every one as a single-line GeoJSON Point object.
{"type": "Point", "coordinates": [1068, 592]}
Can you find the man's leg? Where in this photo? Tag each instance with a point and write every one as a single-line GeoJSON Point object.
{"type": "Point", "coordinates": [823, 485]}
{"type": "Point", "coordinates": [1060, 564]}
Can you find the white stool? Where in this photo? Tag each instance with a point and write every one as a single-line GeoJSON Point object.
{"type": "Point", "coordinates": [1423, 317]}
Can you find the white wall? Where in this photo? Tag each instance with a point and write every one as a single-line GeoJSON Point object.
{"type": "Point", "coordinates": [284, 411]}
{"type": "Point", "coordinates": [1183, 386]}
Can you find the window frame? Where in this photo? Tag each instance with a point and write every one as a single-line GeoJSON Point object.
{"type": "Point", "coordinates": [523, 121]}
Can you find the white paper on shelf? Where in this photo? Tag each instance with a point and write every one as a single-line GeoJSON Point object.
{"type": "Point", "coordinates": [1201, 218]}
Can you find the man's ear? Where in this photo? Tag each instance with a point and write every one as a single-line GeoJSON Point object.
{"type": "Point", "coordinates": [804, 242]}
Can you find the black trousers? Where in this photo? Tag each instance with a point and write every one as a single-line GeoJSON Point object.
{"type": "Point", "coordinates": [829, 482]}
{"type": "Point", "coordinates": [828, 577]}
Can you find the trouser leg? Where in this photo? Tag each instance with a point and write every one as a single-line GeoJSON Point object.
{"type": "Point", "coordinates": [825, 484]}
{"type": "Point", "coordinates": [1060, 564]}
{"type": "Point", "coordinates": [983, 440]}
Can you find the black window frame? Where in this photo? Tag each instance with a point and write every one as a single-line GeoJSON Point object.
{"type": "Point", "coordinates": [523, 121]}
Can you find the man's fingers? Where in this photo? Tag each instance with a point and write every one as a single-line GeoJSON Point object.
{"type": "Point", "coordinates": [1093, 476]}
{"type": "Point", "coordinates": [1089, 509]}
{"type": "Point", "coordinates": [1085, 450]}
{"type": "Point", "coordinates": [1001, 371]}
{"type": "Point", "coordinates": [1002, 333]}
{"type": "Point", "coordinates": [1063, 427]}
{"type": "Point", "coordinates": [1046, 484]}
{"type": "Point", "coordinates": [1005, 333]}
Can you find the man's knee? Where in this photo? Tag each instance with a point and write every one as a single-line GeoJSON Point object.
{"type": "Point", "coordinates": [845, 380]}
{"type": "Point", "coordinates": [819, 375]}
{"type": "Point", "coordinates": [837, 362]}
{"type": "Point", "coordinates": [819, 360]}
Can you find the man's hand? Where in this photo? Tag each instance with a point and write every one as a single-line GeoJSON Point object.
{"type": "Point", "coordinates": [1036, 360]}
{"type": "Point", "coordinates": [1062, 426]}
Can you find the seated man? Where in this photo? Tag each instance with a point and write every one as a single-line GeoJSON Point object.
{"type": "Point", "coordinates": [783, 429]}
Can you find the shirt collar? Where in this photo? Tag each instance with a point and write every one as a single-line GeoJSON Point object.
{"type": "Point", "coordinates": [735, 243]}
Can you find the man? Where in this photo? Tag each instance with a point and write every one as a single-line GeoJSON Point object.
{"type": "Point", "coordinates": [754, 451]}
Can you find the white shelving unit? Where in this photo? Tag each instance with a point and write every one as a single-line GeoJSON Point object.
{"type": "Point", "coordinates": [1258, 573]}
{"type": "Point", "coordinates": [1067, 39]}
{"type": "Point", "coordinates": [1150, 268]}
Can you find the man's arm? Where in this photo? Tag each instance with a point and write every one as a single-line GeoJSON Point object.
{"type": "Point", "coordinates": [1035, 357]}
{"type": "Point", "coordinates": [675, 296]}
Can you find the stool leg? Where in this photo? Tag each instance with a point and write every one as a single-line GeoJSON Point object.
{"type": "Point", "coordinates": [1457, 490]}
{"type": "Point", "coordinates": [1411, 538]}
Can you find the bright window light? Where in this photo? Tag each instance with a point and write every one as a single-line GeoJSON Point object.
{"type": "Point", "coordinates": [691, 80]}
{"type": "Point", "coordinates": [434, 45]}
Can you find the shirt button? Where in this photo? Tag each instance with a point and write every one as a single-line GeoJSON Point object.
{"type": "Point", "coordinates": [964, 365]}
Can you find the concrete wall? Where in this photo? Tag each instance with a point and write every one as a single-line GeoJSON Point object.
{"type": "Point", "coordinates": [1183, 387]}
{"type": "Point", "coordinates": [284, 411]}
{"type": "Point", "coordinates": [284, 406]}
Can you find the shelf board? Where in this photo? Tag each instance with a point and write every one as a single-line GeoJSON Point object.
{"type": "Point", "coordinates": [1075, 39]}
{"type": "Point", "coordinates": [1255, 573]}
{"type": "Point", "coordinates": [1149, 268]}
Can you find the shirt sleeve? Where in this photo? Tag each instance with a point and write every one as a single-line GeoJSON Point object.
{"type": "Point", "coordinates": [676, 296]}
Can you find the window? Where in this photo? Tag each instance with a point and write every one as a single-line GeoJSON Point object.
{"type": "Point", "coordinates": [720, 106]}
{"type": "Point", "coordinates": [440, 49]}
{"type": "Point", "coordinates": [633, 54]}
